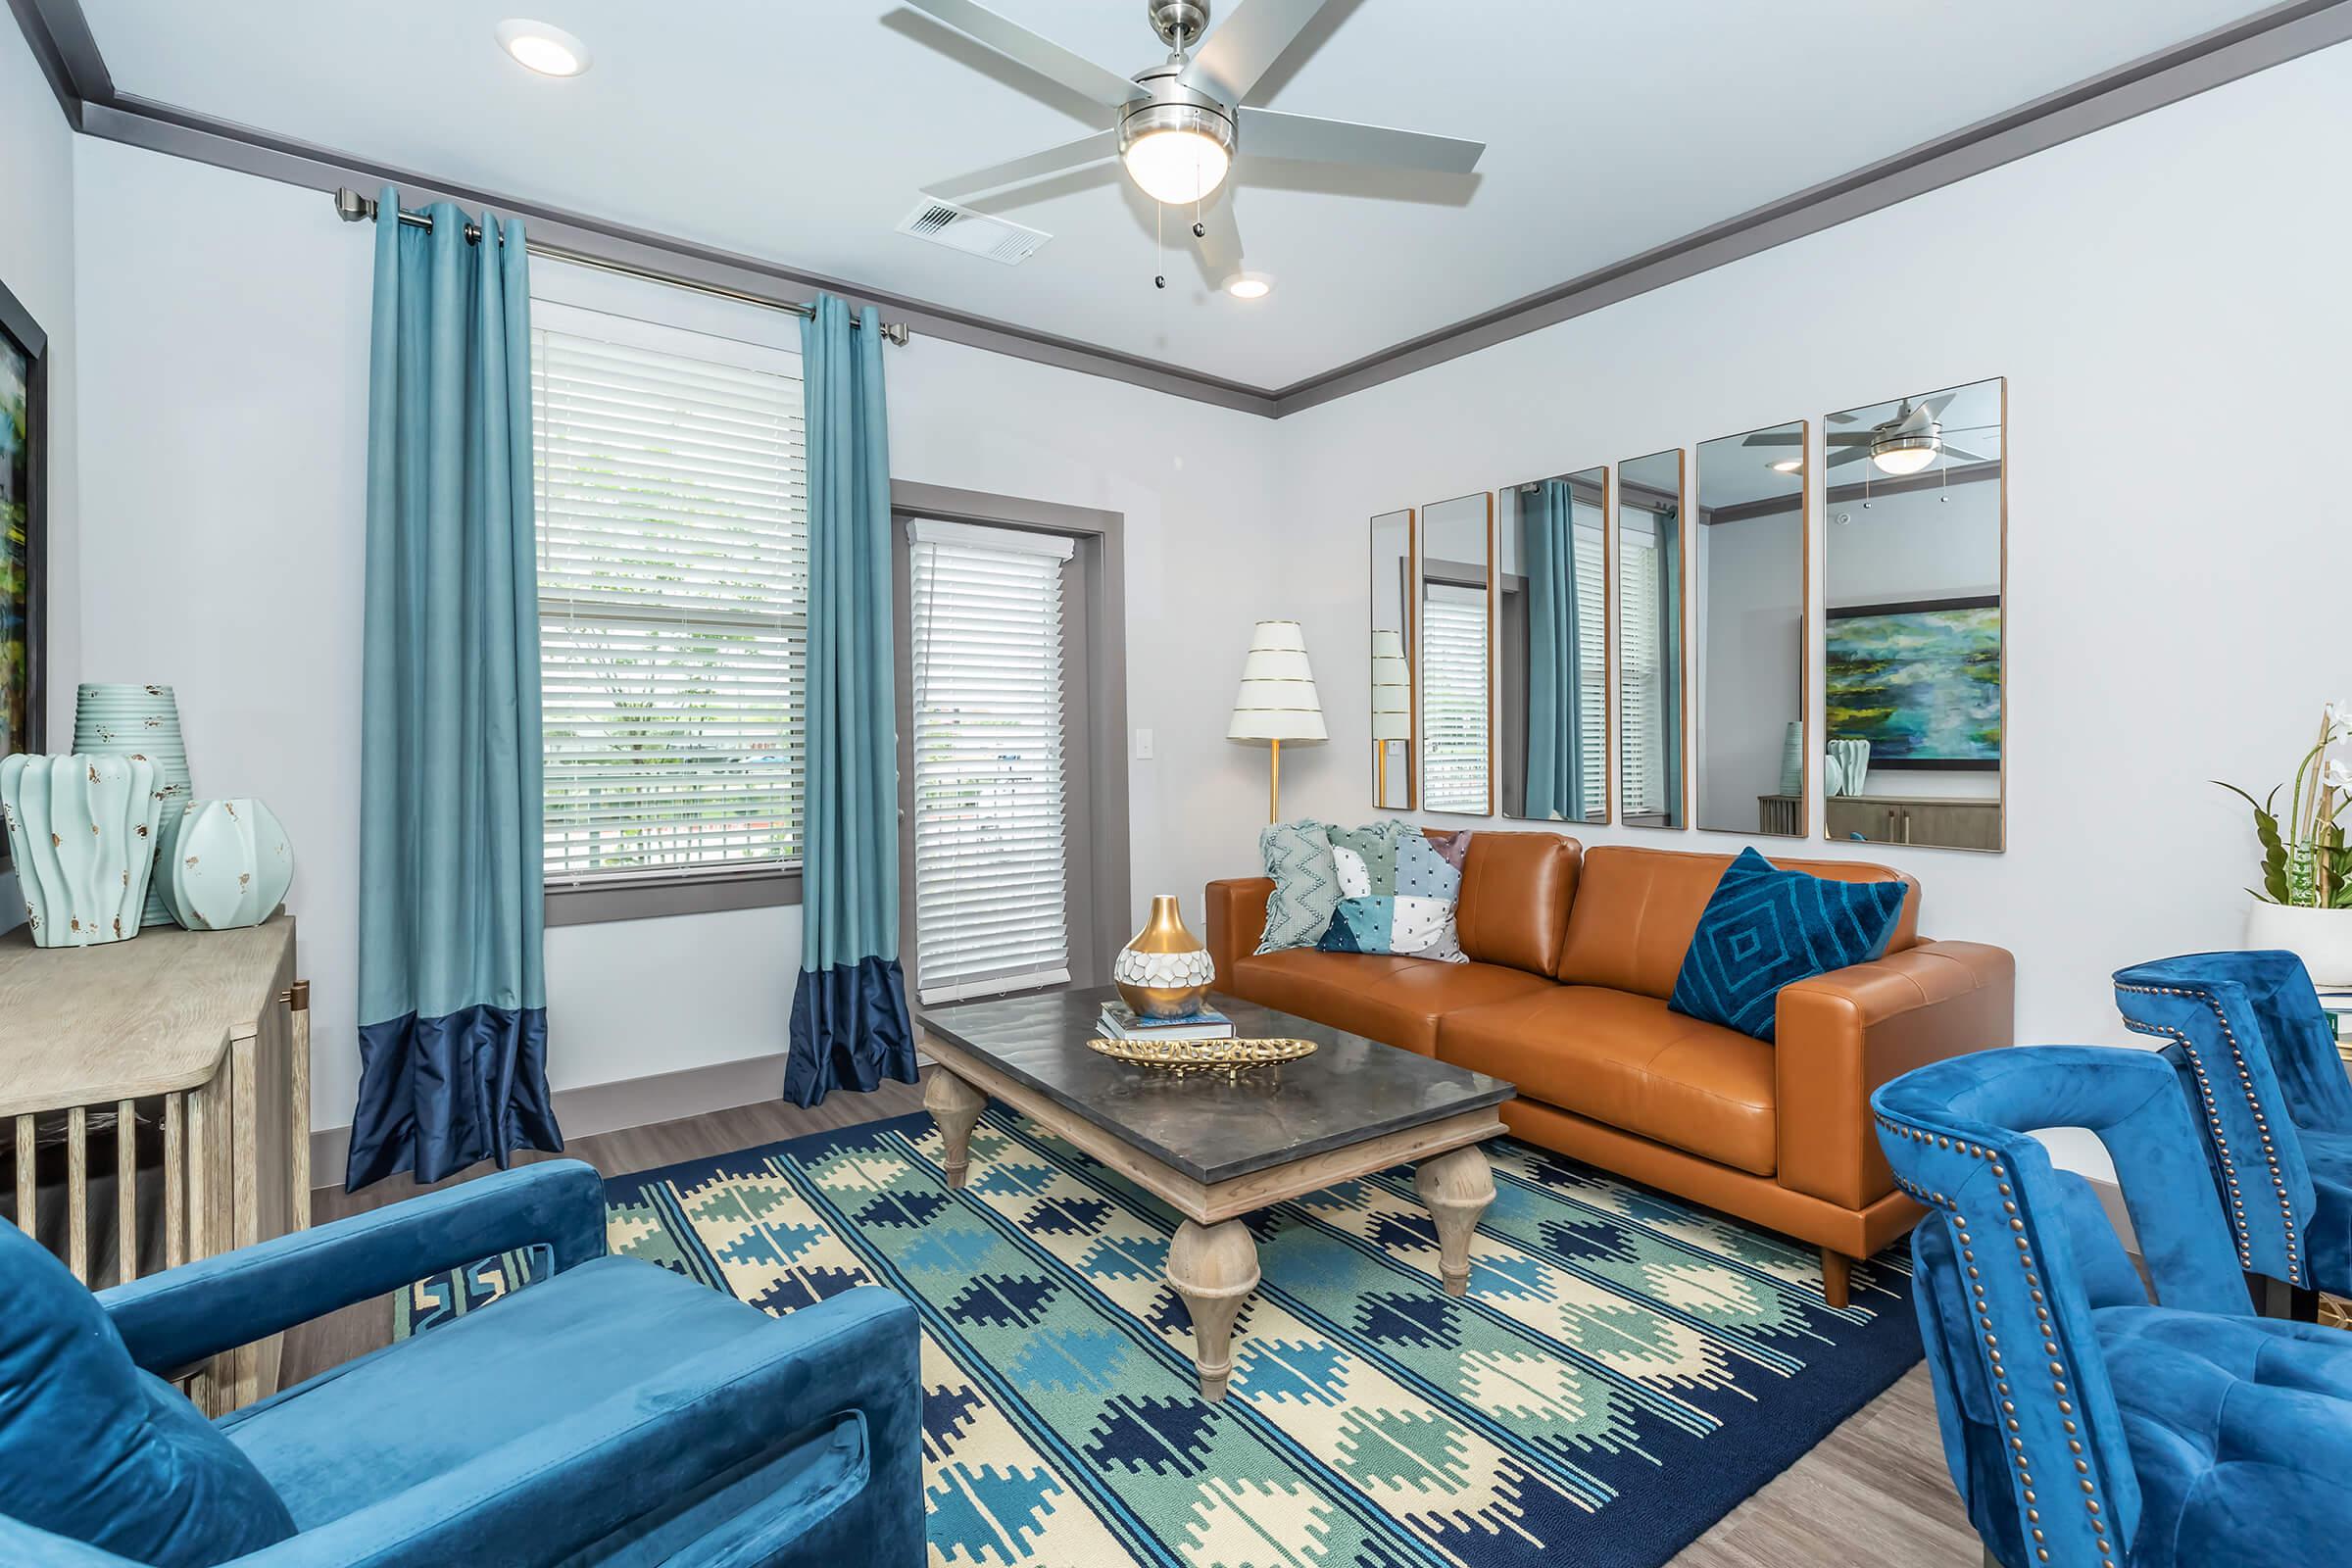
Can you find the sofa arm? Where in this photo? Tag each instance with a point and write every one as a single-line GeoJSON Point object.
{"type": "Point", "coordinates": [1237, 921]}
{"type": "Point", "coordinates": [1839, 1036]}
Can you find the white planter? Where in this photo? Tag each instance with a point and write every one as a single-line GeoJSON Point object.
{"type": "Point", "coordinates": [2320, 938]}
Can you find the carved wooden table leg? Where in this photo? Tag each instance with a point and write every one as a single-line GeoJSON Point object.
{"type": "Point", "coordinates": [955, 1105]}
{"type": "Point", "coordinates": [1214, 1268]}
{"type": "Point", "coordinates": [1455, 1188]}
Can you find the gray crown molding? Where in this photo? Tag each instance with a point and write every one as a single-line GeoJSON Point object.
{"type": "Point", "coordinates": [69, 58]}
{"type": "Point", "coordinates": [2269, 38]}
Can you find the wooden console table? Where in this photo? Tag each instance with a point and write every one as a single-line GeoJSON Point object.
{"type": "Point", "coordinates": [183, 1059]}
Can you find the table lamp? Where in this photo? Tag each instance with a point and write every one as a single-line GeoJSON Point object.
{"type": "Point", "coordinates": [1277, 699]}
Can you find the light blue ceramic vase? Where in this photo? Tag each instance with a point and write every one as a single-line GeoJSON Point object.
{"type": "Point", "coordinates": [81, 830]}
{"type": "Point", "coordinates": [223, 864]}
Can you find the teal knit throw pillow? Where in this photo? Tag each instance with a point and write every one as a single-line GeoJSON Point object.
{"type": "Point", "coordinates": [1306, 884]}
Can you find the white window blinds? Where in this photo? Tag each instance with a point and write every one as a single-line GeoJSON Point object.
{"type": "Point", "coordinates": [674, 568]}
{"type": "Point", "coordinates": [991, 819]}
{"type": "Point", "coordinates": [1453, 699]}
{"type": "Point", "coordinates": [1641, 764]}
{"type": "Point", "coordinates": [1592, 655]}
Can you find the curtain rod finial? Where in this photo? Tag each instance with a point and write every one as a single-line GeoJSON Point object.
{"type": "Point", "coordinates": [896, 332]}
{"type": "Point", "coordinates": [352, 206]}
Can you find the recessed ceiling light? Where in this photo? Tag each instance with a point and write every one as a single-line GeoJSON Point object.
{"type": "Point", "coordinates": [550, 51]}
{"type": "Point", "coordinates": [1788, 465]}
{"type": "Point", "coordinates": [1249, 285]}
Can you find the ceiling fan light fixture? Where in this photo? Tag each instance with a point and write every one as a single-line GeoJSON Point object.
{"type": "Point", "coordinates": [1176, 153]}
{"type": "Point", "coordinates": [1788, 465]}
{"type": "Point", "coordinates": [1248, 285]}
{"type": "Point", "coordinates": [1899, 455]}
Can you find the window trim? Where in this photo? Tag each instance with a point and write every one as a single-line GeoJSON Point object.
{"type": "Point", "coordinates": [663, 891]}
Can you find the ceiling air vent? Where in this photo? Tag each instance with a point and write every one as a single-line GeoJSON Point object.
{"type": "Point", "coordinates": [960, 228]}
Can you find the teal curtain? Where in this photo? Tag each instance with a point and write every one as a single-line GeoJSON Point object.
{"type": "Point", "coordinates": [1670, 658]}
{"type": "Point", "coordinates": [849, 1028]}
{"type": "Point", "coordinates": [1555, 771]}
{"type": "Point", "coordinates": [452, 1004]}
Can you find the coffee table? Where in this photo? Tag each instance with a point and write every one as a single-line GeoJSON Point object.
{"type": "Point", "coordinates": [1216, 1146]}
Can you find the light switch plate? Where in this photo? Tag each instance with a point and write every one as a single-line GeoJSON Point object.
{"type": "Point", "coordinates": [1143, 745]}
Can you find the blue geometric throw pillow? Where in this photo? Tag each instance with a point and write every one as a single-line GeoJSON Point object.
{"type": "Point", "coordinates": [1765, 928]}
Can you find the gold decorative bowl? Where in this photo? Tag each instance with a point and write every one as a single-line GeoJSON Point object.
{"type": "Point", "coordinates": [1231, 1054]}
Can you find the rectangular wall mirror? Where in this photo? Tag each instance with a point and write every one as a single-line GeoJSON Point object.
{"type": "Point", "coordinates": [1748, 631]}
{"type": "Point", "coordinates": [1455, 614]}
{"type": "Point", "coordinates": [1393, 660]}
{"type": "Point", "coordinates": [1651, 691]}
{"type": "Point", "coordinates": [1554, 582]}
{"type": "Point", "coordinates": [1914, 658]}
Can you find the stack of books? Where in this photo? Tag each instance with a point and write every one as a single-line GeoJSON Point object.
{"type": "Point", "coordinates": [1119, 1022]}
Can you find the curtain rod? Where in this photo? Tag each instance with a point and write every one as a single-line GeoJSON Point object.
{"type": "Point", "coordinates": [353, 208]}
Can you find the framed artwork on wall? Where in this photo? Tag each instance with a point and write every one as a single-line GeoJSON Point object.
{"type": "Point", "coordinates": [1921, 681]}
{"type": "Point", "coordinates": [24, 485]}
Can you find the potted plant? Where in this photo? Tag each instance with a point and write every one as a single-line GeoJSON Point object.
{"type": "Point", "coordinates": [2305, 901]}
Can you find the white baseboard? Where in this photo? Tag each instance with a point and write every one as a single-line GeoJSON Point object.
{"type": "Point", "coordinates": [594, 1108]}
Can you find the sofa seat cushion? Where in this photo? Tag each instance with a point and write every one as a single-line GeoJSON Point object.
{"type": "Point", "coordinates": [1386, 996]}
{"type": "Point", "coordinates": [1625, 1060]}
{"type": "Point", "coordinates": [382, 1424]}
{"type": "Point", "coordinates": [2241, 1431]}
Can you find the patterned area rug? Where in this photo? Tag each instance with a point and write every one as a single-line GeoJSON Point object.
{"type": "Point", "coordinates": [1625, 1369]}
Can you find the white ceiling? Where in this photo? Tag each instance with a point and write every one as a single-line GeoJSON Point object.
{"type": "Point", "coordinates": [801, 131]}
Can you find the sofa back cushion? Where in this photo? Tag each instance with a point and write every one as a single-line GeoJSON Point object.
{"type": "Point", "coordinates": [1635, 911]}
{"type": "Point", "coordinates": [1516, 893]}
{"type": "Point", "coordinates": [96, 1449]}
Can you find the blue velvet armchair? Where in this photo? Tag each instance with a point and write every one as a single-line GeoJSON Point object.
{"type": "Point", "coordinates": [2257, 1054]}
{"type": "Point", "coordinates": [613, 1412]}
{"type": "Point", "coordinates": [2085, 1426]}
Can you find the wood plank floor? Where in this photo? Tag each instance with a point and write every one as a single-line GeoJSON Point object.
{"type": "Point", "coordinates": [1874, 1492]}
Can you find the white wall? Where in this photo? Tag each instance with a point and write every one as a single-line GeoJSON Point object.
{"type": "Point", "coordinates": [37, 263]}
{"type": "Point", "coordinates": [225, 319]}
{"type": "Point", "coordinates": [2179, 277]}
{"type": "Point", "coordinates": [1745, 633]}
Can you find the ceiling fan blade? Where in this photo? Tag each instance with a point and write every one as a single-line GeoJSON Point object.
{"type": "Point", "coordinates": [1843, 438]}
{"type": "Point", "coordinates": [1265, 134]}
{"type": "Point", "coordinates": [1020, 170]}
{"type": "Point", "coordinates": [1938, 404]}
{"type": "Point", "coordinates": [1774, 438]}
{"type": "Point", "coordinates": [1041, 55]}
{"type": "Point", "coordinates": [1849, 455]}
{"type": "Point", "coordinates": [1244, 46]}
{"type": "Point", "coordinates": [1963, 454]}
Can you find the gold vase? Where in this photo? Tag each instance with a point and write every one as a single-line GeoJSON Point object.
{"type": "Point", "coordinates": [1165, 971]}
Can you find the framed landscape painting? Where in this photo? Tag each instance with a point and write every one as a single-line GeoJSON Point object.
{"type": "Point", "coordinates": [24, 478]}
{"type": "Point", "coordinates": [1921, 681]}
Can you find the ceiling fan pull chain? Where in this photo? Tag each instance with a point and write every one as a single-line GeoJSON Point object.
{"type": "Point", "coordinates": [1159, 247]}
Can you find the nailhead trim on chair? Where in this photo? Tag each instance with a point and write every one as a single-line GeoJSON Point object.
{"type": "Point", "coordinates": [2295, 1271]}
{"type": "Point", "coordinates": [1993, 1348]}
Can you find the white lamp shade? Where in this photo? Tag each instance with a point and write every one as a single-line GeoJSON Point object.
{"type": "Point", "coordinates": [1277, 699]}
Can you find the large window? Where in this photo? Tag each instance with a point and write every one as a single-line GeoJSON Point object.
{"type": "Point", "coordinates": [1592, 652]}
{"type": "Point", "coordinates": [1453, 696]}
{"type": "Point", "coordinates": [673, 578]}
{"type": "Point", "coordinates": [1642, 681]}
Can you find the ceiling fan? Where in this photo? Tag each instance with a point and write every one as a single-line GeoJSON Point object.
{"type": "Point", "coordinates": [1909, 441]}
{"type": "Point", "coordinates": [1181, 126]}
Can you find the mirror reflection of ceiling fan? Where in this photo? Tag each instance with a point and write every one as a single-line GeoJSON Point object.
{"type": "Point", "coordinates": [1906, 443]}
{"type": "Point", "coordinates": [1181, 126]}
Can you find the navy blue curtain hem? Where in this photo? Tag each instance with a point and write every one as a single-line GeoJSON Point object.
{"type": "Point", "coordinates": [438, 1094]}
{"type": "Point", "coordinates": [850, 1030]}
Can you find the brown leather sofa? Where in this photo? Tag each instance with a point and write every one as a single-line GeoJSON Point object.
{"type": "Point", "coordinates": [1573, 955]}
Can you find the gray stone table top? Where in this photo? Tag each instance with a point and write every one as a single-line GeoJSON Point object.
{"type": "Point", "coordinates": [1214, 1125]}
